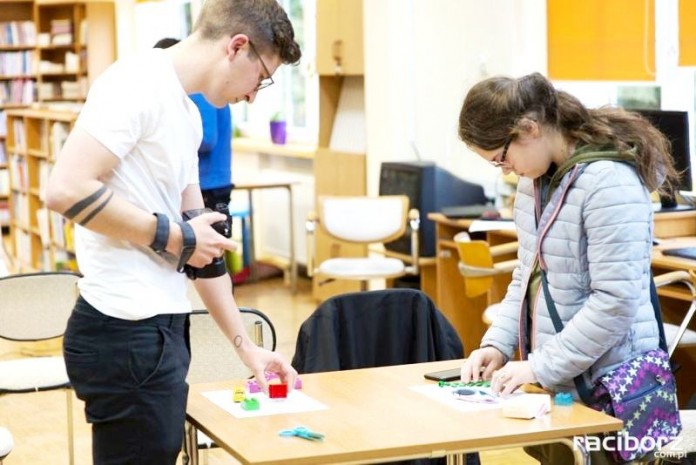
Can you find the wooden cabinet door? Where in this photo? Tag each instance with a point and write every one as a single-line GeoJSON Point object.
{"type": "Point", "coordinates": [340, 37]}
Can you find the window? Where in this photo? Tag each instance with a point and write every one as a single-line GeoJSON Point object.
{"type": "Point", "coordinates": [295, 94]}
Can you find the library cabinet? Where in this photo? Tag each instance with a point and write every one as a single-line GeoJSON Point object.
{"type": "Point", "coordinates": [44, 59]}
{"type": "Point", "coordinates": [40, 240]}
{"type": "Point", "coordinates": [340, 37]}
{"type": "Point", "coordinates": [337, 172]}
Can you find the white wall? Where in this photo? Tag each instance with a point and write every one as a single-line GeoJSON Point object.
{"type": "Point", "coordinates": [421, 57]}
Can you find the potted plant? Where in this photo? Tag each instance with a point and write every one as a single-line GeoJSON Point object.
{"type": "Point", "coordinates": [278, 128]}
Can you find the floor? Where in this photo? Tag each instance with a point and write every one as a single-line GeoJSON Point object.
{"type": "Point", "coordinates": [38, 420]}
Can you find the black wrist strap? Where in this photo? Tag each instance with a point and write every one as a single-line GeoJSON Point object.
{"type": "Point", "coordinates": [159, 243]}
{"type": "Point", "coordinates": [188, 244]}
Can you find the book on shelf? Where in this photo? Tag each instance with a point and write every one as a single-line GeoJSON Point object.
{"type": "Point", "coordinates": [18, 173]}
{"type": "Point", "coordinates": [21, 33]}
{"type": "Point", "coordinates": [42, 220]}
{"type": "Point", "coordinates": [57, 224]}
{"type": "Point", "coordinates": [63, 261]}
{"type": "Point", "coordinates": [4, 182]}
{"type": "Point", "coordinates": [59, 133]}
{"type": "Point", "coordinates": [4, 213]}
{"type": "Point", "coordinates": [23, 247]}
{"type": "Point", "coordinates": [20, 143]}
{"type": "Point", "coordinates": [44, 172]}
{"type": "Point", "coordinates": [20, 210]}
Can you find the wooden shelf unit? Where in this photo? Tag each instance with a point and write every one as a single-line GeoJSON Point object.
{"type": "Point", "coordinates": [339, 54]}
{"type": "Point", "coordinates": [39, 239]}
{"type": "Point", "coordinates": [28, 31]}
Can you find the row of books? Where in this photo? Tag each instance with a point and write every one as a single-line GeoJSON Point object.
{"type": "Point", "coordinates": [19, 173]}
{"type": "Point", "coordinates": [61, 31]}
{"type": "Point", "coordinates": [71, 90]}
{"type": "Point", "coordinates": [4, 182]}
{"type": "Point", "coordinates": [17, 63]}
{"type": "Point", "coordinates": [17, 33]}
{"type": "Point", "coordinates": [17, 92]}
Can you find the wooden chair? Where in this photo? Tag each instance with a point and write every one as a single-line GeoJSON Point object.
{"type": "Point", "coordinates": [680, 335]}
{"type": "Point", "coordinates": [478, 267]}
{"type": "Point", "coordinates": [362, 220]}
{"type": "Point", "coordinates": [36, 307]}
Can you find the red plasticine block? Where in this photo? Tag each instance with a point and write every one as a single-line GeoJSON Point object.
{"type": "Point", "coordinates": [277, 391]}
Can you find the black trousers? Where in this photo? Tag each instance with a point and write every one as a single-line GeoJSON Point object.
{"type": "Point", "coordinates": [131, 376]}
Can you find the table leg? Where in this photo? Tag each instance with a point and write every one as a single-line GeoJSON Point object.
{"type": "Point", "coordinates": [190, 449]}
{"type": "Point", "coordinates": [582, 457]}
{"type": "Point", "coordinates": [293, 262]}
{"type": "Point", "coordinates": [253, 273]}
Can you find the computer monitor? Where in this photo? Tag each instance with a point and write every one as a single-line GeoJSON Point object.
{"type": "Point", "coordinates": [675, 126]}
{"type": "Point", "coordinates": [429, 189]}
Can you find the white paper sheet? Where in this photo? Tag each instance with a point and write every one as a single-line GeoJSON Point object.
{"type": "Point", "coordinates": [446, 396]}
{"type": "Point", "coordinates": [297, 401]}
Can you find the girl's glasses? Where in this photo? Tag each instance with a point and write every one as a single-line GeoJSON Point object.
{"type": "Point", "coordinates": [500, 162]}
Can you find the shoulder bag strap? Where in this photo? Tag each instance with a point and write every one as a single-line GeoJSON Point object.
{"type": "Point", "coordinates": [579, 381]}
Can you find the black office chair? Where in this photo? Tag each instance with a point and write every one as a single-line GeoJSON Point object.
{"type": "Point", "coordinates": [373, 329]}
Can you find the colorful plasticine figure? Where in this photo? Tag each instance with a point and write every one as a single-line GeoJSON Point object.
{"type": "Point", "coordinates": [278, 391]}
{"type": "Point", "coordinates": [254, 388]}
{"type": "Point", "coordinates": [251, 403]}
{"type": "Point", "coordinates": [238, 394]}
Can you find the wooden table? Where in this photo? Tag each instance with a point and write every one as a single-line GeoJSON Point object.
{"type": "Point", "coordinates": [374, 416]}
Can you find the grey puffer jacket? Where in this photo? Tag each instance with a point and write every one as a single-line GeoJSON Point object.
{"type": "Point", "coordinates": [595, 240]}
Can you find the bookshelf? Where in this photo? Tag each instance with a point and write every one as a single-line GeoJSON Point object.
{"type": "Point", "coordinates": [39, 239]}
{"type": "Point", "coordinates": [44, 59]}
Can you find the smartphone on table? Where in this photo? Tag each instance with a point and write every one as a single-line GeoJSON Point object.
{"type": "Point", "coordinates": [453, 374]}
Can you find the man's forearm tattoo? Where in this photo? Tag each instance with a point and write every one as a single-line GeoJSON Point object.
{"type": "Point", "coordinates": [87, 206]}
{"type": "Point", "coordinates": [96, 210]}
{"type": "Point", "coordinates": [238, 341]}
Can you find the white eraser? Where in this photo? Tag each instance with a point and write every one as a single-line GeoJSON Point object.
{"type": "Point", "coordinates": [527, 406]}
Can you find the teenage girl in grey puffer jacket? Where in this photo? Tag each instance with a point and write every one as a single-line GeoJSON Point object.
{"type": "Point", "coordinates": [584, 215]}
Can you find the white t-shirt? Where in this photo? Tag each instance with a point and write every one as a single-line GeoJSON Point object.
{"type": "Point", "coordinates": [138, 110]}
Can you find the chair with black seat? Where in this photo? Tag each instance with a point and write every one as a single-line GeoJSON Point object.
{"type": "Point", "coordinates": [374, 329]}
{"type": "Point", "coordinates": [214, 359]}
{"type": "Point", "coordinates": [35, 307]}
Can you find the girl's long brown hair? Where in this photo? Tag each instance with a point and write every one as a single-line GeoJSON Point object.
{"type": "Point", "coordinates": [493, 108]}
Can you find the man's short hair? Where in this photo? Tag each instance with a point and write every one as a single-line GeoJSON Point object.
{"type": "Point", "coordinates": [263, 21]}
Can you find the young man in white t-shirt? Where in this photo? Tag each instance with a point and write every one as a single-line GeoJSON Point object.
{"type": "Point", "coordinates": [127, 173]}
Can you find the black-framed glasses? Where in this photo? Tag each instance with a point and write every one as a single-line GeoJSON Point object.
{"type": "Point", "coordinates": [498, 163]}
{"type": "Point", "coordinates": [264, 82]}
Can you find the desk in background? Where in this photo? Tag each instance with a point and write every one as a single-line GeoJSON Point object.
{"type": "Point", "coordinates": [674, 301]}
{"type": "Point", "coordinates": [463, 312]}
{"type": "Point", "coordinates": [250, 187]}
{"type": "Point", "coordinates": [373, 416]}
